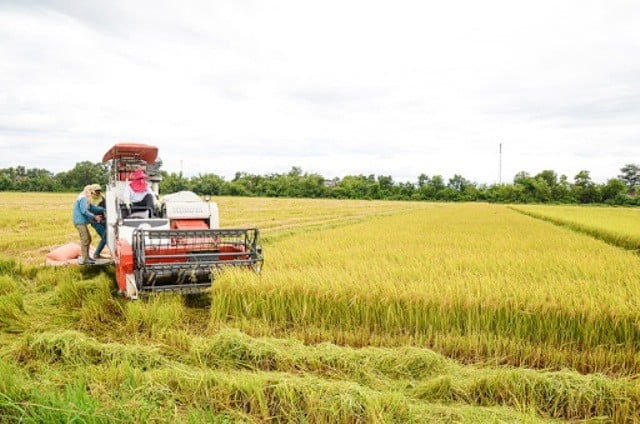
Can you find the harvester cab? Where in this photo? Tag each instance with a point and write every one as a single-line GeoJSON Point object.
{"type": "Point", "coordinates": [177, 246]}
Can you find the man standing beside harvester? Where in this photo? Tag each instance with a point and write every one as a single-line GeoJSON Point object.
{"type": "Point", "coordinates": [82, 217]}
{"type": "Point", "coordinates": [98, 203]}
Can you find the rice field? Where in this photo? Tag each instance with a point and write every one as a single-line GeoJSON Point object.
{"type": "Point", "coordinates": [366, 311]}
{"type": "Point", "coordinates": [615, 225]}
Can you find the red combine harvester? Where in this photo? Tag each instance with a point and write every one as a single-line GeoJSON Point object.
{"type": "Point", "coordinates": [176, 246]}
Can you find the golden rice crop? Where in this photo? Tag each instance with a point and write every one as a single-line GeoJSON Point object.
{"type": "Point", "coordinates": [474, 272]}
{"type": "Point", "coordinates": [618, 226]}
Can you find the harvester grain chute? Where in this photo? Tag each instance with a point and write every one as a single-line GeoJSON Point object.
{"type": "Point", "coordinates": [177, 246]}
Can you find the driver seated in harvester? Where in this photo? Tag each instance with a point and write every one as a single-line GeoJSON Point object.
{"type": "Point", "coordinates": [138, 193]}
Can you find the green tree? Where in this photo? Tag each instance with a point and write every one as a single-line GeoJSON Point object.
{"type": "Point", "coordinates": [405, 191]}
{"type": "Point", "coordinates": [521, 177]}
{"type": "Point", "coordinates": [630, 175]}
{"type": "Point", "coordinates": [549, 176]}
{"type": "Point", "coordinates": [448, 194]}
{"type": "Point", "coordinates": [458, 183]}
{"type": "Point", "coordinates": [585, 190]}
{"type": "Point", "coordinates": [82, 174]}
{"type": "Point", "coordinates": [540, 190]}
{"type": "Point", "coordinates": [561, 192]}
{"type": "Point", "coordinates": [6, 183]}
{"type": "Point", "coordinates": [428, 187]}
{"type": "Point", "coordinates": [173, 182]}
{"type": "Point", "coordinates": [525, 187]}
{"type": "Point", "coordinates": [207, 184]}
{"type": "Point", "coordinates": [423, 179]}
{"type": "Point", "coordinates": [613, 191]}
{"type": "Point", "coordinates": [438, 182]}
{"type": "Point", "coordinates": [313, 186]}
{"type": "Point", "coordinates": [386, 185]}
{"type": "Point", "coordinates": [355, 187]}
{"type": "Point", "coordinates": [295, 171]}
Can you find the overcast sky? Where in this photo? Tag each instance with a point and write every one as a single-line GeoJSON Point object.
{"type": "Point", "coordinates": [337, 88]}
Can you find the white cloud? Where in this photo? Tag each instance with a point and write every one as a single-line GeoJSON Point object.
{"type": "Point", "coordinates": [378, 87]}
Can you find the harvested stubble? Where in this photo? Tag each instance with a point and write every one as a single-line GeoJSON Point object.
{"type": "Point", "coordinates": [284, 380]}
{"type": "Point", "coordinates": [32, 224]}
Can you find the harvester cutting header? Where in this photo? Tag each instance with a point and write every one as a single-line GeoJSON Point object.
{"type": "Point", "coordinates": [173, 243]}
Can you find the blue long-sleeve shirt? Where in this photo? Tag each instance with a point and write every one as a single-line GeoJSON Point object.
{"type": "Point", "coordinates": [81, 214]}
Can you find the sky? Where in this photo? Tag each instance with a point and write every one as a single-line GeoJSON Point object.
{"type": "Point", "coordinates": [483, 89]}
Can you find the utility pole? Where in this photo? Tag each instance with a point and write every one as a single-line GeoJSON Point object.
{"type": "Point", "coordinates": [500, 167]}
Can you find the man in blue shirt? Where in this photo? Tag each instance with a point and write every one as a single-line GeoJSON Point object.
{"type": "Point", "coordinates": [81, 218]}
{"type": "Point", "coordinates": [98, 206]}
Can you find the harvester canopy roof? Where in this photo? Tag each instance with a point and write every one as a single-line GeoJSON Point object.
{"type": "Point", "coordinates": [132, 151]}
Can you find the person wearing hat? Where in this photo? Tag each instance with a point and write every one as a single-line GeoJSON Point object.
{"type": "Point", "coordinates": [98, 205]}
{"type": "Point", "coordinates": [138, 193]}
{"type": "Point", "coordinates": [82, 216]}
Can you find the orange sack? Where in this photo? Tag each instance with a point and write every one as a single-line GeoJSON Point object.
{"type": "Point", "coordinates": [64, 255]}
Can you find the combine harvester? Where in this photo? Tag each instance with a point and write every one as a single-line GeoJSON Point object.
{"type": "Point", "coordinates": [176, 246]}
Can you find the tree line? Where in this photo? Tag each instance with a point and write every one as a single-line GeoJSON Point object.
{"type": "Point", "coordinates": [545, 187]}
